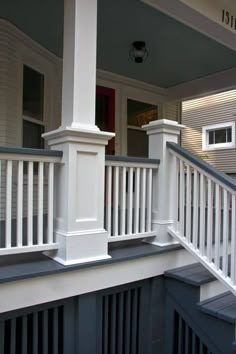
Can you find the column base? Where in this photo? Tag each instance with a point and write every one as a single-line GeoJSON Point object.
{"type": "Point", "coordinates": [162, 238]}
{"type": "Point", "coordinates": [77, 248]}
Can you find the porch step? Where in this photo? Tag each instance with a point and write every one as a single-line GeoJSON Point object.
{"type": "Point", "coordinates": [222, 307]}
{"type": "Point", "coordinates": [198, 276]}
{"type": "Point", "coordinates": [201, 308]}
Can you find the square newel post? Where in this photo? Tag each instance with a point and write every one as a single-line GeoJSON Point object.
{"type": "Point", "coordinates": [159, 133]}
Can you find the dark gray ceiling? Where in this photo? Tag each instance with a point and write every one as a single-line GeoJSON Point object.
{"type": "Point", "coordinates": [176, 53]}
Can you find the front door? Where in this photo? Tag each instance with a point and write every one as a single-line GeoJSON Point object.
{"type": "Point", "coordinates": [105, 113]}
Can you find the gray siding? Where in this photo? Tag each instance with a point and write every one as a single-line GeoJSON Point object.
{"type": "Point", "coordinates": [214, 109]}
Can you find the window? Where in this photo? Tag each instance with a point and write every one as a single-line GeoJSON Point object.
{"type": "Point", "coordinates": [218, 136]}
{"type": "Point", "coordinates": [139, 114]}
{"type": "Point", "coordinates": [33, 108]}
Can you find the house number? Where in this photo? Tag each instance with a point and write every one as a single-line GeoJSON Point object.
{"type": "Point", "coordinates": [229, 19]}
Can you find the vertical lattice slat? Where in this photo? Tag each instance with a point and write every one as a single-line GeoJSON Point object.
{"type": "Point", "coordinates": [202, 214]}
{"type": "Point", "coordinates": [116, 201]}
{"type": "Point", "coordinates": [123, 202]}
{"type": "Point", "coordinates": [188, 204]}
{"type": "Point", "coordinates": [225, 235]}
{"type": "Point", "coordinates": [182, 198]}
{"type": "Point", "coordinates": [195, 208]}
{"type": "Point", "coordinates": [209, 219]}
{"type": "Point", "coordinates": [149, 200]}
{"type": "Point", "coordinates": [217, 225]}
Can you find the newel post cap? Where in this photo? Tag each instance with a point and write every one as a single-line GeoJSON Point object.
{"type": "Point", "coordinates": [163, 126]}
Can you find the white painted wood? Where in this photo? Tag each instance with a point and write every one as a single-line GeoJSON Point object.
{"type": "Point", "coordinates": [41, 290]}
{"type": "Point", "coordinates": [225, 235]}
{"type": "Point", "coordinates": [50, 202]}
{"type": "Point", "coordinates": [137, 201]}
{"type": "Point", "coordinates": [143, 201]}
{"type": "Point", "coordinates": [40, 203]}
{"type": "Point", "coordinates": [30, 205]}
{"type": "Point", "coordinates": [116, 201]}
{"type": "Point", "coordinates": [195, 208]}
{"type": "Point", "coordinates": [130, 201]}
{"type": "Point", "coordinates": [181, 198]}
{"type": "Point", "coordinates": [209, 219]}
{"type": "Point", "coordinates": [149, 200]}
{"type": "Point", "coordinates": [19, 219]}
{"type": "Point", "coordinates": [233, 240]}
{"type": "Point", "coordinates": [217, 226]}
{"type": "Point", "coordinates": [79, 64]}
{"type": "Point", "coordinates": [188, 204]}
{"type": "Point", "coordinates": [202, 214]}
{"type": "Point", "coordinates": [132, 236]}
{"type": "Point", "coordinates": [108, 198]}
{"type": "Point", "coordinates": [123, 202]}
{"type": "Point", "coordinates": [8, 204]}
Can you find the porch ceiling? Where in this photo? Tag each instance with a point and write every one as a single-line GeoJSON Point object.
{"type": "Point", "coordinates": [177, 53]}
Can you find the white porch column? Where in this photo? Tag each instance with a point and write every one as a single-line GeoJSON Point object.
{"type": "Point", "coordinates": [160, 132]}
{"type": "Point", "coordinates": [79, 194]}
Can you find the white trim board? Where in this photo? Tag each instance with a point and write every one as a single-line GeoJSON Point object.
{"type": "Point", "coordinates": [44, 289]}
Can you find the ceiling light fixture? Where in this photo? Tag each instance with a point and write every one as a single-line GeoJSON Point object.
{"type": "Point", "coordinates": [138, 52]}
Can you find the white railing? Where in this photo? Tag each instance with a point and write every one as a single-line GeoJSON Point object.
{"type": "Point", "coordinates": [128, 197]}
{"type": "Point", "coordinates": [204, 213]}
{"type": "Point", "coordinates": [26, 200]}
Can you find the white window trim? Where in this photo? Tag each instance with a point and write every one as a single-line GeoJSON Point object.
{"type": "Point", "coordinates": [205, 136]}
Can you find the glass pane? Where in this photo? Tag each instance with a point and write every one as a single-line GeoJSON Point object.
{"type": "Point", "coordinates": [211, 137]}
{"type": "Point", "coordinates": [229, 135]}
{"type": "Point", "coordinates": [220, 136]}
{"type": "Point", "coordinates": [140, 113]}
{"type": "Point", "coordinates": [33, 93]}
{"type": "Point", "coordinates": [137, 143]}
{"type": "Point", "coordinates": [32, 135]}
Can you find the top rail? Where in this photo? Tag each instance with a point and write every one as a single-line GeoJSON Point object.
{"type": "Point", "coordinates": [206, 167]}
{"type": "Point", "coordinates": [26, 154]}
{"type": "Point", "coordinates": [114, 160]}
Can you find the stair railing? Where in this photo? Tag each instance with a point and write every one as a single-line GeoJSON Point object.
{"type": "Point", "coordinates": [204, 212]}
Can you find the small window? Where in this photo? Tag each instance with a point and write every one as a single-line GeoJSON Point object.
{"type": "Point", "coordinates": [33, 108]}
{"type": "Point", "coordinates": [218, 136]}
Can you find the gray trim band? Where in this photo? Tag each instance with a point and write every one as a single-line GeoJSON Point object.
{"type": "Point", "coordinates": [27, 151]}
{"type": "Point", "coordinates": [132, 159]}
{"type": "Point", "coordinates": [222, 177]}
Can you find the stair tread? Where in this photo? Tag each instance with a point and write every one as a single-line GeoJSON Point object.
{"type": "Point", "coordinates": [222, 306]}
{"type": "Point", "coordinates": [193, 274]}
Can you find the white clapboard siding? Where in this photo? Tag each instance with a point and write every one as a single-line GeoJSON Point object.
{"type": "Point", "coordinates": [200, 112]}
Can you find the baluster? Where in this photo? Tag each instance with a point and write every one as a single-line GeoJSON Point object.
{"type": "Point", "coordinates": [108, 198]}
{"type": "Point", "coordinates": [40, 202]}
{"type": "Point", "coordinates": [123, 202]}
{"type": "Point", "coordinates": [130, 201]}
{"type": "Point", "coordinates": [233, 239]}
{"type": "Point", "coordinates": [217, 225]}
{"type": "Point", "coordinates": [182, 199]}
{"type": "Point", "coordinates": [195, 208]}
{"type": "Point", "coordinates": [116, 201]}
{"type": "Point", "coordinates": [225, 235]}
{"type": "Point", "coordinates": [50, 202]}
{"type": "Point", "coordinates": [143, 201]}
{"type": "Point", "coordinates": [209, 219]}
{"type": "Point", "coordinates": [136, 203]}
{"type": "Point", "coordinates": [8, 204]}
{"type": "Point", "coordinates": [19, 204]}
{"type": "Point", "coordinates": [30, 204]}
{"type": "Point", "coordinates": [149, 200]}
{"type": "Point", "coordinates": [202, 214]}
{"type": "Point", "coordinates": [188, 205]}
